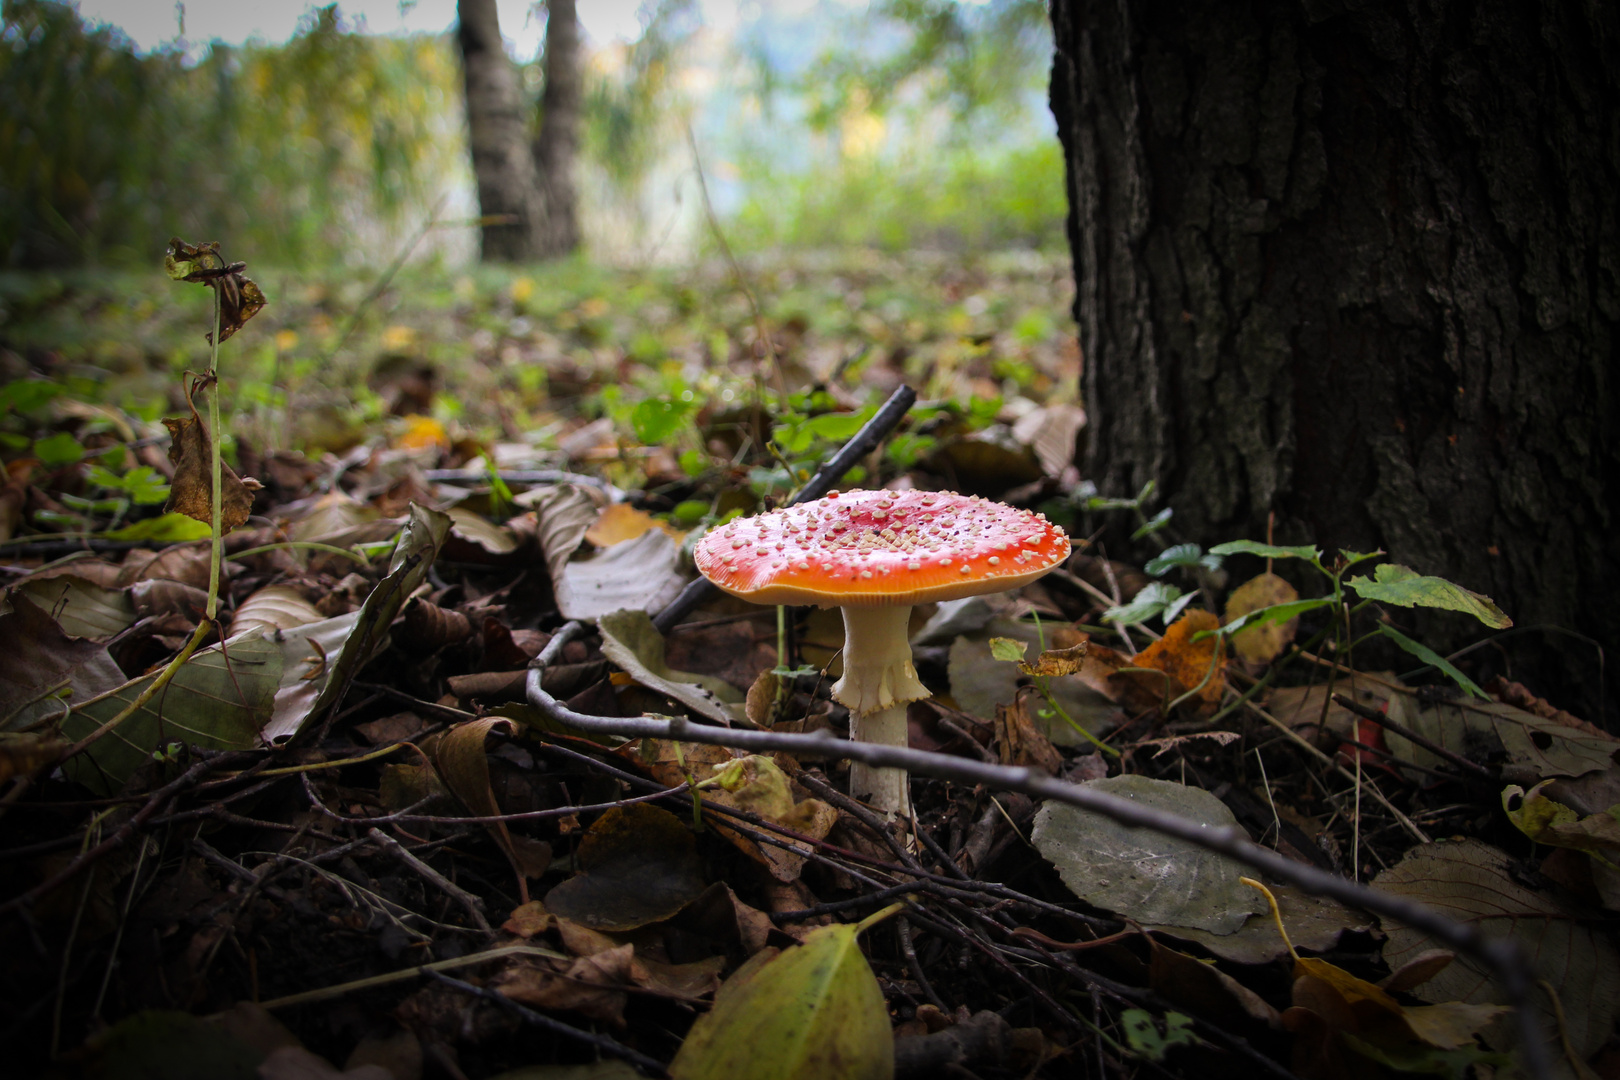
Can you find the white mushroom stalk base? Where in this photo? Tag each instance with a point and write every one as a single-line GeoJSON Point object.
{"type": "Point", "coordinates": [878, 681]}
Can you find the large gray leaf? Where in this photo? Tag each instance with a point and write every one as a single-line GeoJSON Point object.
{"type": "Point", "coordinates": [1469, 881]}
{"type": "Point", "coordinates": [642, 573]}
{"type": "Point", "coordinates": [1151, 877]}
{"type": "Point", "coordinates": [1477, 729]}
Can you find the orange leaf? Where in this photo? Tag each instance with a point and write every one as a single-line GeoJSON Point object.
{"type": "Point", "coordinates": [1190, 664]}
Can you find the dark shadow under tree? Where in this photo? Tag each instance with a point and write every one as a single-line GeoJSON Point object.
{"type": "Point", "coordinates": [1356, 263]}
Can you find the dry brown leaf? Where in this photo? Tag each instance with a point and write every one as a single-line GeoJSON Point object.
{"type": "Point", "coordinates": [528, 920]}
{"type": "Point", "coordinates": [191, 491]}
{"type": "Point", "coordinates": [1020, 742]}
{"type": "Point", "coordinates": [1067, 661]}
{"type": "Point", "coordinates": [239, 297]}
{"type": "Point", "coordinates": [593, 986]}
{"type": "Point", "coordinates": [461, 761]}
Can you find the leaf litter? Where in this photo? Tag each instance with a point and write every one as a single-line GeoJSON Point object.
{"type": "Point", "coordinates": [320, 809]}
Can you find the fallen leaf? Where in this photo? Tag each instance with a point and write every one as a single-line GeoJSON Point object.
{"type": "Point", "coordinates": [619, 522]}
{"type": "Point", "coordinates": [23, 752]}
{"type": "Point", "coordinates": [83, 608]}
{"type": "Point", "coordinates": [630, 640]}
{"type": "Point", "coordinates": [274, 607]}
{"type": "Point", "coordinates": [1261, 644]}
{"type": "Point", "coordinates": [814, 1012]}
{"type": "Point", "coordinates": [1195, 667]}
{"type": "Point", "coordinates": [643, 574]}
{"type": "Point", "coordinates": [638, 865]}
{"type": "Point", "coordinates": [1469, 881]}
{"type": "Point", "coordinates": [461, 759]}
{"type": "Point", "coordinates": [528, 920]}
{"type": "Point", "coordinates": [40, 658]}
{"type": "Point", "coordinates": [595, 986]}
{"type": "Point", "coordinates": [1019, 742]}
{"type": "Point", "coordinates": [1314, 923]}
{"type": "Point", "coordinates": [1151, 877]}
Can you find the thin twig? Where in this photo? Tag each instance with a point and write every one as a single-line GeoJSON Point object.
{"type": "Point", "coordinates": [611, 1047]}
{"type": "Point", "coordinates": [865, 441]}
{"type": "Point", "coordinates": [1470, 767]}
{"type": "Point", "coordinates": [474, 906]}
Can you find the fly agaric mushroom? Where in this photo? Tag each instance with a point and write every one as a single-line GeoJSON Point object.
{"type": "Point", "coordinates": [876, 554]}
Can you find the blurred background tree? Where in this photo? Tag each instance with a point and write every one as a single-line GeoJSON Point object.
{"type": "Point", "coordinates": [324, 146]}
{"type": "Point", "coordinates": [912, 123]}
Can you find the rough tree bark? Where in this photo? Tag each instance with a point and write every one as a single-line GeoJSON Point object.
{"type": "Point", "coordinates": [557, 145]}
{"type": "Point", "coordinates": [498, 133]}
{"type": "Point", "coordinates": [1356, 261]}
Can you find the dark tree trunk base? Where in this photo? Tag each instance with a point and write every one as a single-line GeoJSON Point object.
{"type": "Point", "coordinates": [1356, 263]}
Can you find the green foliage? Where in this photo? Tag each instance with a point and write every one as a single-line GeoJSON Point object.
{"type": "Point", "coordinates": [1156, 598]}
{"type": "Point", "coordinates": [291, 150]}
{"type": "Point", "coordinates": [1189, 556]}
{"type": "Point", "coordinates": [1395, 584]}
{"type": "Point", "coordinates": [920, 196]}
{"type": "Point", "coordinates": [1142, 1032]}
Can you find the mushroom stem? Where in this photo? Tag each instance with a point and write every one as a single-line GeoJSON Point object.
{"type": "Point", "coordinates": [878, 682]}
{"type": "Point", "coordinates": [887, 790]}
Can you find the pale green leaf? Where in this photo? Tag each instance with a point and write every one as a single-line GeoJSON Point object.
{"type": "Point", "coordinates": [1434, 659]}
{"type": "Point", "coordinates": [1008, 648]}
{"type": "Point", "coordinates": [1405, 587]}
{"type": "Point", "coordinates": [1152, 600]}
{"type": "Point", "coordinates": [1266, 551]}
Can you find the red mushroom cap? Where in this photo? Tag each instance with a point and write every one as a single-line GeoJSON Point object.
{"type": "Point", "coordinates": [876, 548]}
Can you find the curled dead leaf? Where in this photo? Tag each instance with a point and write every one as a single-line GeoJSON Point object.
{"type": "Point", "coordinates": [191, 492]}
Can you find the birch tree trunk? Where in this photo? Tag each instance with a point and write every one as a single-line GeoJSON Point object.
{"type": "Point", "coordinates": [1358, 262]}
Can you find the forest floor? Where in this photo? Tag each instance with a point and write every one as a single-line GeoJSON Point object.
{"type": "Point", "coordinates": [350, 840]}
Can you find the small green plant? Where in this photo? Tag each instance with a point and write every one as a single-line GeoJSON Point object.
{"type": "Point", "coordinates": [1050, 662]}
{"type": "Point", "coordinates": [1143, 1033]}
{"type": "Point", "coordinates": [1391, 583]}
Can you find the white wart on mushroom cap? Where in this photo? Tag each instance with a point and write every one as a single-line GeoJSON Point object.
{"type": "Point", "coordinates": [881, 548]}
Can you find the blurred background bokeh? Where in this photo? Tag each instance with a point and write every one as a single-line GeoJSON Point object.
{"type": "Point", "coordinates": [313, 136]}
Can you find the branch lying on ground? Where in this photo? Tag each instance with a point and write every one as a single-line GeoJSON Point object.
{"type": "Point", "coordinates": [1501, 956]}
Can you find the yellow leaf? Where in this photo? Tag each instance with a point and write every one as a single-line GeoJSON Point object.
{"type": "Point", "coordinates": [422, 432]}
{"type": "Point", "coordinates": [1261, 644]}
{"type": "Point", "coordinates": [814, 1012]}
{"type": "Point", "coordinates": [397, 338]}
{"type": "Point", "coordinates": [619, 522]}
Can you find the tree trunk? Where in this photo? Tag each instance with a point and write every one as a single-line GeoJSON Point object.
{"type": "Point", "coordinates": [498, 132]}
{"type": "Point", "coordinates": [557, 145]}
{"type": "Point", "coordinates": [1355, 262]}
